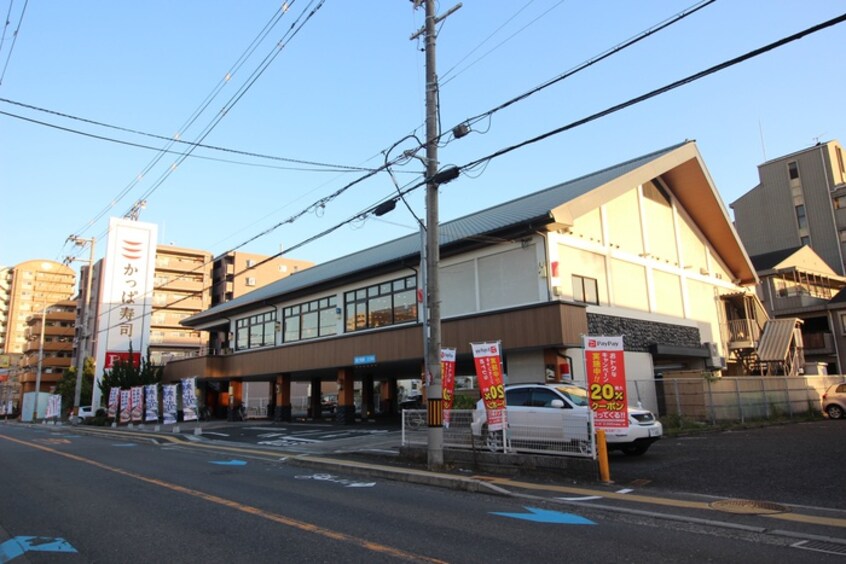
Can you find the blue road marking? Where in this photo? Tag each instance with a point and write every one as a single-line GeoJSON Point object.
{"type": "Point", "coordinates": [229, 462]}
{"type": "Point", "coordinates": [546, 516]}
{"type": "Point", "coordinates": [15, 547]}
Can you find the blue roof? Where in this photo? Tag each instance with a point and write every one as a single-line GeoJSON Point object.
{"type": "Point", "coordinates": [521, 211]}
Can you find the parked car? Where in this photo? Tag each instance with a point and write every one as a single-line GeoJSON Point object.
{"type": "Point", "coordinates": [560, 412]}
{"type": "Point", "coordinates": [85, 412]}
{"type": "Point", "coordinates": [834, 401]}
{"type": "Point", "coordinates": [329, 403]}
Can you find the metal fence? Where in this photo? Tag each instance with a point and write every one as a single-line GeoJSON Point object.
{"type": "Point", "coordinates": [568, 436]}
{"type": "Point", "coordinates": [742, 398]}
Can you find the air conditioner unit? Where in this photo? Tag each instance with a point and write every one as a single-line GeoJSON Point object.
{"type": "Point", "coordinates": [714, 359]}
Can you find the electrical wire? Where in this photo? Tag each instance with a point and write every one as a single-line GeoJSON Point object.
{"type": "Point", "coordinates": [162, 137]}
{"type": "Point", "coordinates": [14, 39]}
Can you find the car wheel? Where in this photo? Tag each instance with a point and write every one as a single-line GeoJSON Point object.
{"type": "Point", "coordinates": [635, 449]}
{"type": "Point", "coordinates": [493, 441]}
{"type": "Point", "coordinates": [834, 411]}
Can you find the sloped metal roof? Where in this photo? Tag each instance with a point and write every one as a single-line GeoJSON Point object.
{"type": "Point", "coordinates": [776, 339]}
{"type": "Point", "coordinates": [535, 207]}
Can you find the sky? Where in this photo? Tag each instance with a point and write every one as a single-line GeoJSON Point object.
{"type": "Point", "coordinates": [92, 91]}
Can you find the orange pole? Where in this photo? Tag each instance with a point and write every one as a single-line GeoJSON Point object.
{"type": "Point", "coordinates": [602, 456]}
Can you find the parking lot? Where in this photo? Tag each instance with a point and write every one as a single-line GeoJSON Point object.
{"type": "Point", "coordinates": [798, 463]}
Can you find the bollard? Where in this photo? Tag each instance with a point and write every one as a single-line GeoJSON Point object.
{"type": "Point", "coordinates": [602, 455]}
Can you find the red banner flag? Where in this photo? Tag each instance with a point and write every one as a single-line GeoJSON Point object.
{"type": "Point", "coordinates": [606, 379]}
{"type": "Point", "coordinates": [448, 381]}
{"type": "Point", "coordinates": [489, 373]}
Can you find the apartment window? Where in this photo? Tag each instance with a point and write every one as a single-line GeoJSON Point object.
{"type": "Point", "coordinates": [317, 318]}
{"type": "Point", "coordinates": [250, 263]}
{"type": "Point", "coordinates": [805, 240]}
{"type": "Point", "coordinates": [251, 281]}
{"type": "Point", "coordinates": [840, 160]}
{"type": "Point", "coordinates": [383, 304]}
{"type": "Point", "coordinates": [793, 170]}
{"type": "Point", "coordinates": [843, 323]}
{"type": "Point", "coordinates": [256, 331]}
{"type": "Point", "coordinates": [801, 218]}
{"type": "Point", "coordinates": [283, 268]}
{"type": "Point", "coordinates": [585, 290]}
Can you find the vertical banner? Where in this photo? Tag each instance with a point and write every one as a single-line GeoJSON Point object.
{"type": "Point", "coordinates": [53, 406]}
{"type": "Point", "coordinates": [151, 399]}
{"type": "Point", "coordinates": [125, 406]}
{"type": "Point", "coordinates": [126, 297]}
{"type": "Point", "coordinates": [113, 402]}
{"type": "Point", "coordinates": [489, 373]}
{"type": "Point", "coordinates": [606, 381]}
{"type": "Point", "coordinates": [137, 397]}
{"type": "Point", "coordinates": [189, 399]}
{"type": "Point", "coordinates": [448, 382]}
{"type": "Point", "coordinates": [169, 404]}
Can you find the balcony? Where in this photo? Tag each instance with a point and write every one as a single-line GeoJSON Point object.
{"type": "Point", "coordinates": [818, 343]}
{"type": "Point", "coordinates": [743, 333]}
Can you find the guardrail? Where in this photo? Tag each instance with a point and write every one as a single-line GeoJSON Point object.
{"type": "Point", "coordinates": [571, 437]}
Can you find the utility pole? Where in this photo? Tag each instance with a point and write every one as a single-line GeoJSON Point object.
{"type": "Point", "coordinates": [434, 394]}
{"type": "Point", "coordinates": [82, 345]}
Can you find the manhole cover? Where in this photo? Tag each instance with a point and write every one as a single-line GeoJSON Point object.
{"type": "Point", "coordinates": [747, 507]}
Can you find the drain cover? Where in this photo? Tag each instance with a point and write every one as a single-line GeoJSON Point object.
{"type": "Point", "coordinates": [747, 507]}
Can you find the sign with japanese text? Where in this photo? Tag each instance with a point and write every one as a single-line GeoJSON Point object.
{"type": "Point", "coordinates": [491, 384]}
{"type": "Point", "coordinates": [126, 296]}
{"type": "Point", "coordinates": [125, 406]}
{"type": "Point", "coordinates": [606, 381]}
{"type": "Point", "coordinates": [54, 406]}
{"type": "Point", "coordinates": [189, 399]}
{"type": "Point", "coordinates": [151, 399]}
{"type": "Point", "coordinates": [137, 398]}
{"type": "Point", "coordinates": [448, 382]}
{"type": "Point", "coordinates": [113, 401]}
{"type": "Point", "coordinates": [169, 403]}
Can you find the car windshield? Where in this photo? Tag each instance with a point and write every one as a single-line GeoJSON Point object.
{"type": "Point", "coordinates": [575, 394]}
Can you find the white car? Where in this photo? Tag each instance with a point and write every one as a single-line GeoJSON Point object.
{"type": "Point", "coordinates": [560, 413]}
{"type": "Point", "coordinates": [85, 412]}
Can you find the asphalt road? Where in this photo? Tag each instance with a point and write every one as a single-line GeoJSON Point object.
{"type": "Point", "coordinates": [112, 500]}
{"type": "Point", "coordinates": [797, 463]}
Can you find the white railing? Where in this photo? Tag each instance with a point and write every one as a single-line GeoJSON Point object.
{"type": "Point", "coordinates": [571, 438]}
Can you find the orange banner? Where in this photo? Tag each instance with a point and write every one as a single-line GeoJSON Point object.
{"type": "Point", "coordinates": [491, 386]}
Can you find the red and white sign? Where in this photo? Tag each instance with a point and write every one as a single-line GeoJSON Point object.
{"type": "Point", "coordinates": [126, 296]}
{"type": "Point", "coordinates": [606, 380]}
{"type": "Point", "coordinates": [448, 382]}
{"type": "Point", "coordinates": [491, 386]}
{"type": "Point", "coordinates": [113, 357]}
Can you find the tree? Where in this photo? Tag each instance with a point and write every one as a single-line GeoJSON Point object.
{"type": "Point", "coordinates": [125, 375]}
{"type": "Point", "coordinates": [66, 387]}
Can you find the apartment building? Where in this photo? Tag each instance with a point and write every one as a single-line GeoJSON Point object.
{"type": "Point", "coordinates": [35, 285]}
{"type": "Point", "coordinates": [5, 297]}
{"type": "Point", "coordinates": [797, 283]}
{"type": "Point", "coordinates": [644, 249]}
{"type": "Point", "coordinates": [800, 200]}
{"type": "Point", "coordinates": [182, 288]}
{"type": "Point", "coordinates": [49, 341]}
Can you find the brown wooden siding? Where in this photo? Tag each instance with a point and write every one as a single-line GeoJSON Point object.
{"type": "Point", "coordinates": [545, 325]}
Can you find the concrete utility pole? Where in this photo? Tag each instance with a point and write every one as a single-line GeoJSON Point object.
{"type": "Point", "coordinates": [433, 301]}
{"type": "Point", "coordinates": [82, 345]}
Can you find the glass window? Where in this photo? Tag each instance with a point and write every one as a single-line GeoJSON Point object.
{"type": "Point", "coordinates": [801, 218]}
{"type": "Point", "coordinates": [793, 170]}
{"type": "Point", "coordinates": [382, 304]}
{"type": "Point", "coordinates": [308, 320]}
{"type": "Point", "coordinates": [805, 240]}
{"type": "Point", "coordinates": [585, 290]}
{"type": "Point", "coordinates": [256, 331]}
{"type": "Point", "coordinates": [518, 397]}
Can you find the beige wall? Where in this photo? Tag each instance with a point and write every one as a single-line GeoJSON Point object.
{"type": "Point", "coordinates": [655, 260]}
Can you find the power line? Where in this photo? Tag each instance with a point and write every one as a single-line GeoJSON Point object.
{"type": "Point", "coordinates": [673, 85]}
{"type": "Point", "coordinates": [14, 38]}
{"type": "Point", "coordinates": [170, 140]}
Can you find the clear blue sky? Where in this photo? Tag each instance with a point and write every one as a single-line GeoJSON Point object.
{"type": "Point", "coordinates": [350, 84]}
